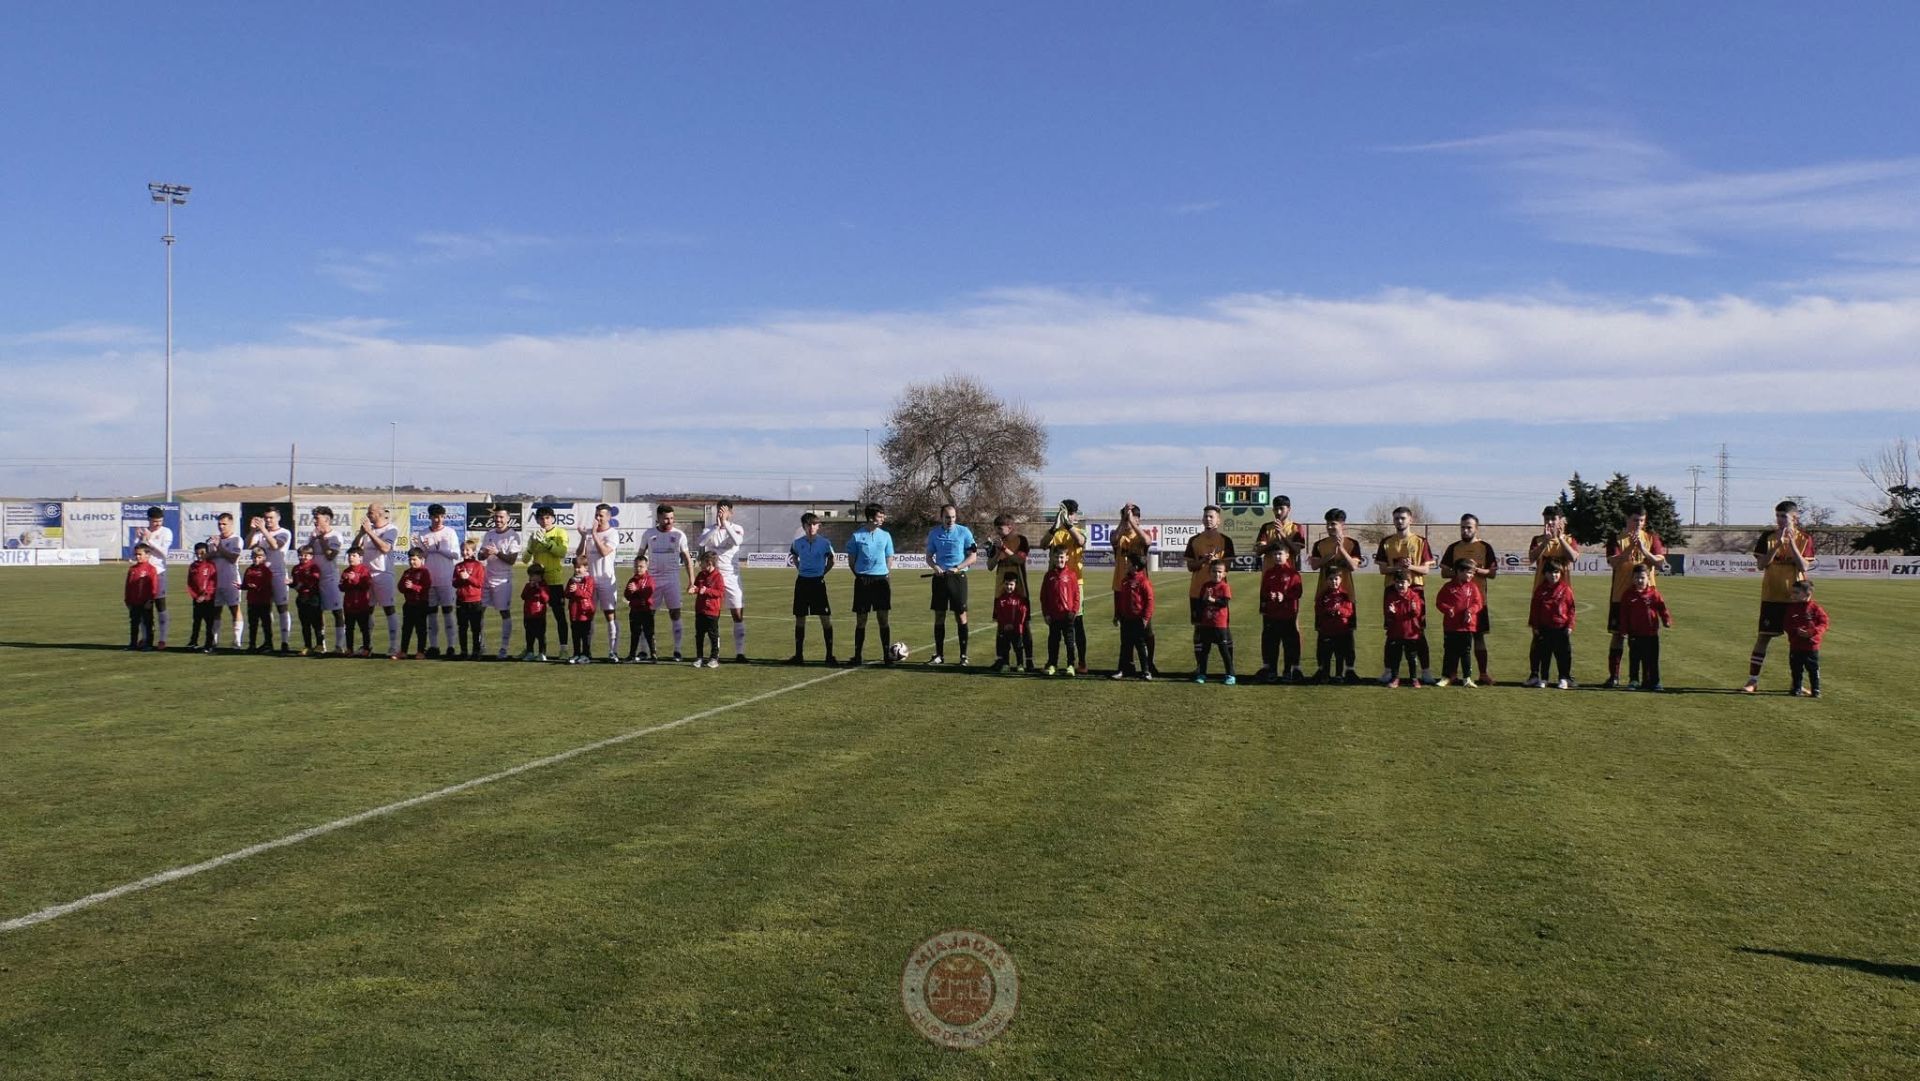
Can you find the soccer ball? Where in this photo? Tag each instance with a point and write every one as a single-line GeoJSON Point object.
{"type": "Point", "coordinates": [898, 651]}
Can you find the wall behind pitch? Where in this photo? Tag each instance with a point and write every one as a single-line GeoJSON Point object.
{"type": "Point", "coordinates": [91, 525]}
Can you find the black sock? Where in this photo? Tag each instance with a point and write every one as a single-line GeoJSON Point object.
{"type": "Point", "coordinates": [962, 632]}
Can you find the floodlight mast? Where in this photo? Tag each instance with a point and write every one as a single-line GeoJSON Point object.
{"type": "Point", "coordinates": [169, 196]}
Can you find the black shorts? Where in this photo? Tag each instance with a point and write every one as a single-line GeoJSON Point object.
{"type": "Point", "coordinates": [1195, 609]}
{"type": "Point", "coordinates": [1485, 624]}
{"type": "Point", "coordinates": [810, 597]}
{"type": "Point", "coordinates": [950, 593]}
{"type": "Point", "coordinates": [1773, 617]}
{"type": "Point", "coordinates": [1613, 617]}
{"type": "Point", "coordinates": [872, 593]}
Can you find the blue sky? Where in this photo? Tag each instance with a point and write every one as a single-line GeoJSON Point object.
{"type": "Point", "coordinates": [1431, 248]}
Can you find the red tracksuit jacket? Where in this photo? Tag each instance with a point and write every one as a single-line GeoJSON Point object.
{"type": "Point", "coordinates": [414, 585]}
{"type": "Point", "coordinates": [639, 592]}
{"type": "Point", "coordinates": [1643, 612]}
{"type": "Point", "coordinates": [1806, 626]}
{"type": "Point", "coordinates": [356, 589]}
{"type": "Point", "coordinates": [1333, 613]}
{"type": "Point", "coordinates": [143, 584]}
{"type": "Point", "coordinates": [306, 580]}
{"type": "Point", "coordinates": [469, 581]}
{"type": "Point", "coordinates": [1406, 615]}
{"type": "Point", "coordinates": [1280, 592]}
{"type": "Point", "coordinates": [1214, 598]}
{"type": "Point", "coordinates": [1009, 612]}
{"type": "Point", "coordinates": [1134, 599]}
{"type": "Point", "coordinates": [580, 599]}
{"type": "Point", "coordinates": [712, 591]}
{"type": "Point", "coordinates": [533, 601]}
{"type": "Point", "coordinates": [1060, 595]}
{"type": "Point", "coordinates": [258, 582]}
{"type": "Point", "coordinates": [1460, 604]}
{"type": "Point", "coordinates": [1552, 606]}
{"type": "Point", "coordinates": [202, 579]}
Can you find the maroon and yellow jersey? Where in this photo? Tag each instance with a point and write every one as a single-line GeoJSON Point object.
{"type": "Point", "coordinates": [1008, 558]}
{"type": "Point", "coordinates": [1545, 548]}
{"type": "Point", "coordinates": [1323, 551]}
{"type": "Point", "coordinates": [1482, 555]}
{"type": "Point", "coordinates": [1131, 543]}
{"type": "Point", "coordinates": [1275, 533]}
{"type": "Point", "coordinates": [1412, 548]}
{"type": "Point", "coordinates": [1647, 551]}
{"type": "Point", "coordinates": [1205, 548]}
{"type": "Point", "coordinates": [1779, 575]}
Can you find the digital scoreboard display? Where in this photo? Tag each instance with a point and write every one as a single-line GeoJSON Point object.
{"type": "Point", "coordinates": [1242, 489]}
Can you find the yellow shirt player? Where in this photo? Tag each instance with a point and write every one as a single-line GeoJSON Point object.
{"type": "Point", "coordinates": [1335, 554]}
{"type": "Point", "coordinates": [1485, 567]}
{"type": "Point", "coordinates": [1067, 537]}
{"type": "Point", "coordinates": [1128, 541]}
{"type": "Point", "coordinates": [1282, 532]}
{"type": "Point", "coordinates": [1553, 545]}
{"type": "Point", "coordinates": [1783, 555]}
{"type": "Point", "coordinates": [1202, 549]}
{"type": "Point", "coordinates": [1405, 550]}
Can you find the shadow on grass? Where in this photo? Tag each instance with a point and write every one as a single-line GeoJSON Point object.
{"type": "Point", "coordinates": [1910, 973]}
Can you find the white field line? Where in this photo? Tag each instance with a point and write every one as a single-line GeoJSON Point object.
{"type": "Point", "coordinates": [54, 912]}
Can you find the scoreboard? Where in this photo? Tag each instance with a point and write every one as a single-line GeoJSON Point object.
{"type": "Point", "coordinates": [1242, 489]}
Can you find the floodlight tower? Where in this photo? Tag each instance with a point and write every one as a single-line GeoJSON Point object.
{"type": "Point", "coordinates": [169, 196]}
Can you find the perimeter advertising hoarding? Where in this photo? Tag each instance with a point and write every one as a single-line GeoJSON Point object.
{"type": "Point", "coordinates": [133, 521]}
{"type": "Point", "coordinates": [32, 525]}
{"type": "Point", "coordinates": [90, 525]}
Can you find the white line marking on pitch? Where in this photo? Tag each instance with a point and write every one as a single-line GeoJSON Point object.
{"type": "Point", "coordinates": [56, 911]}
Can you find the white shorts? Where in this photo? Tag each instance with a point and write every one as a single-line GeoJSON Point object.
{"type": "Point", "coordinates": [735, 599]}
{"type": "Point", "coordinates": [666, 592]}
{"type": "Point", "coordinates": [227, 596]}
{"type": "Point", "coordinates": [440, 596]}
{"type": "Point", "coordinates": [498, 595]}
{"type": "Point", "coordinates": [280, 592]}
{"type": "Point", "coordinates": [606, 594]}
{"type": "Point", "coordinates": [329, 594]}
{"type": "Point", "coordinates": [160, 583]}
{"type": "Point", "coordinates": [383, 590]}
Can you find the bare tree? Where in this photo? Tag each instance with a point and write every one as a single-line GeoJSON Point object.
{"type": "Point", "coordinates": [1897, 465]}
{"type": "Point", "coordinates": [955, 441]}
{"type": "Point", "coordinates": [1377, 522]}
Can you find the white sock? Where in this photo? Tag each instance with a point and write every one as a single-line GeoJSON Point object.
{"type": "Point", "coordinates": [239, 631]}
{"type": "Point", "coordinates": [613, 636]}
{"type": "Point", "coordinates": [339, 634]}
{"type": "Point", "coordinates": [286, 626]}
{"type": "Point", "coordinates": [393, 631]}
{"type": "Point", "coordinates": [433, 632]}
{"type": "Point", "coordinates": [676, 636]}
{"type": "Point", "coordinates": [213, 636]}
{"type": "Point", "coordinates": [453, 636]}
{"type": "Point", "coordinates": [506, 630]}
{"type": "Point", "coordinates": [163, 624]}
{"type": "Point", "coordinates": [740, 637]}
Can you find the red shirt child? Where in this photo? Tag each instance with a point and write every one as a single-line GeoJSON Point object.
{"type": "Point", "coordinates": [356, 589]}
{"type": "Point", "coordinates": [580, 591]}
{"type": "Point", "coordinates": [1280, 592]}
{"type": "Point", "coordinates": [1643, 611]}
{"type": "Point", "coordinates": [1806, 626]}
{"type": "Point", "coordinates": [1135, 598]}
{"type": "Point", "coordinates": [202, 577]}
{"type": "Point", "coordinates": [1060, 594]}
{"type": "Point", "coordinates": [1406, 615]}
{"type": "Point", "coordinates": [1333, 612]}
{"type": "Point", "coordinates": [469, 581]}
{"type": "Point", "coordinates": [711, 590]}
{"type": "Point", "coordinates": [415, 583]}
{"type": "Point", "coordinates": [639, 592]}
{"type": "Point", "coordinates": [1010, 611]}
{"type": "Point", "coordinates": [258, 582]}
{"type": "Point", "coordinates": [143, 584]}
{"type": "Point", "coordinates": [533, 600]}
{"type": "Point", "coordinates": [1214, 597]}
{"type": "Point", "coordinates": [1552, 606]}
{"type": "Point", "coordinates": [306, 579]}
{"type": "Point", "coordinates": [1460, 604]}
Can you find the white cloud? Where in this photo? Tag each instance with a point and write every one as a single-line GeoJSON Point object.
{"type": "Point", "coordinates": [1207, 206]}
{"type": "Point", "coordinates": [1614, 190]}
{"type": "Point", "coordinates": [754, 396]}
{"type": "Point", "coordinates": [97, 335]}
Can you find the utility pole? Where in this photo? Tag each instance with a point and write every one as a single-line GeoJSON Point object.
{"type": "Point", "coordinates": [1695, 489]}
{"type": "Point", "coordinates": [169, 196]}
{"type": "Point", "coordinates": [1723, 485]}
{"type": "Point", "coordinates": [293, 452]}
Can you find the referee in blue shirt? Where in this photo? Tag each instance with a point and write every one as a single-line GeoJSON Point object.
{"type": "Point", "coordinates": [950, 551]}
{"type": "Point", "coordinates": [812, 555]}
{"type": "Point", "coordinates": [868, 550]}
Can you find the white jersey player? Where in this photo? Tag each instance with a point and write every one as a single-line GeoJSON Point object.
{"type": "Point", "coordinates": [599, 540]}
{"type": "Point", "coordinates": [376, 540]}
{"type": "Point", "coordinates": [330, 552]}
{"type": "Point", "coordinates": [725, 540]}
{"type": "Point", "coordinates": [668, 559]}
{"type": "Point", "coordinates": [159, 538]}
{"type": "Point", "coordinates": [442, 548]}
{"type": "Point", "coordinates": [266, 534]}
{"type": "Point", "coordinates": [226, 548]}
{"type": "Point", "coordinates": [500, 549]}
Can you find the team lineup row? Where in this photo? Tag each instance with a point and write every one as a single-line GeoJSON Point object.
{"type": "Point", "coordinates": [572, 584]}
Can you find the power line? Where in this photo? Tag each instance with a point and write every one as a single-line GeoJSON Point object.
{"type": "Point", "coordinates": [1721, 519]}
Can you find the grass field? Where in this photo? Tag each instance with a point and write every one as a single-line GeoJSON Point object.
{"type": "Point", "coordinates": [1194, 881]}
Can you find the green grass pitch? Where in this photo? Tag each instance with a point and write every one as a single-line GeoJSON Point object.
{"type": "Point", "coordinates": [1201, 882]}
